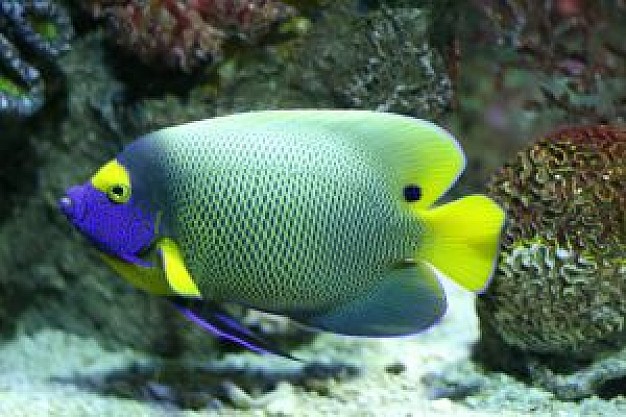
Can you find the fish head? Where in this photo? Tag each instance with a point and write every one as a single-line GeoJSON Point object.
{"type": "Point", "coordinates": [107, 213]}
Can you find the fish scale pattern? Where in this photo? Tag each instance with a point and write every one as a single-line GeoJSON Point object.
{"type": "Point", "coordinates": [281, 221]}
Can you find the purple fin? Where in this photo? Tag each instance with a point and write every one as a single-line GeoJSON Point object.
{"type": "Point", "coordinates": [212, 318]}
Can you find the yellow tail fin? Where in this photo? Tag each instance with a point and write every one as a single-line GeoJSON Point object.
{"type": "Point", "coordinates": [462, 239]}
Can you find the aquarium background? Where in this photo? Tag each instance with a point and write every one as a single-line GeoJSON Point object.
{"type": "Point", "coordinates": [79, 79]}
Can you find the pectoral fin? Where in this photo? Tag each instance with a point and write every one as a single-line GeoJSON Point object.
{"type": "Point", "coordinates": [166, 276]}
{"type": "Point", "coordinates": [176, 273]}
{"type": "Point", "coordinates": [409, 299]}
{"type": "Point", "coordinates": [147, 278]}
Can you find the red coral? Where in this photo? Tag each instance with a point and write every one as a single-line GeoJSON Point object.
{"type": "Point", "coordinates": [598, 135]}
{"type": "Point", "coordinates": [184, 33]}
{"type": "Point", "coordinates": [252, 17]}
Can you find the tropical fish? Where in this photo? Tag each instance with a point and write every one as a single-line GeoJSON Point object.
{"type": "Point", "coordinates": [323, 216]}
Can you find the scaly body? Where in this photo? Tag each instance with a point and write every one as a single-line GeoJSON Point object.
{"type": "Point", "coordinates": [288, 223]}
{"type": "Point", "coordinates": [326, 217]}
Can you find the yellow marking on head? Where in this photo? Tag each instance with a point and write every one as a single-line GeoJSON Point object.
{"type": "Point", "coordinates": [112, 173]}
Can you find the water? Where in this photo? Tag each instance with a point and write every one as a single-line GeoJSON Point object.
{"type": "Point", "coordinates": [77, 340]}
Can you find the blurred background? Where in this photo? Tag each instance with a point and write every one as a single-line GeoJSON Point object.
{"type": "Point", "coordinates": [81, 78]}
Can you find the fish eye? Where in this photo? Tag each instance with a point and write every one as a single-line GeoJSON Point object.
{"type": "Point", "coordinates": [412, 193]}
{"type": "Point", "coordinates": [119, 193]}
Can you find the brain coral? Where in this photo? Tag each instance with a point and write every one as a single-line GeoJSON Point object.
{"type": "Point", "coordinates": [560, 283]}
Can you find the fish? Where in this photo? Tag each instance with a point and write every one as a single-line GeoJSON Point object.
{"type": "Point", "coordinates": [327, 217]}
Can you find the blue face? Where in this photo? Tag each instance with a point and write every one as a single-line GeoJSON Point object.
{"type": "Point", "coordinates": [112, 221]}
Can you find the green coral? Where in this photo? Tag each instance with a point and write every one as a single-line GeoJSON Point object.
{"type": "Point", "coordinates": [379, 59]}
{"type": "Point", "coordinates": [559, 285]}
{"type": "Point", "coordinates": [47, 30]}
{"type": "Point", "coordinates": [9, 87]}
{"type": "Point", "coordinates": [32, 34]}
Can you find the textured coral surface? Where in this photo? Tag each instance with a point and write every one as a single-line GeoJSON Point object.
{"type": "Point", "coordinates": [42, 30]}
{"type": "Point", "coordinates": [560, 283]}
{"type": "Point", "coordinates": [183, 34]}
{"type": "Point", "coordinates": [387, 65]}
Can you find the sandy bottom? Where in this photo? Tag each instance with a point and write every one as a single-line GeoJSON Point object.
{"type": "Point", "coordinates": [40, 374]}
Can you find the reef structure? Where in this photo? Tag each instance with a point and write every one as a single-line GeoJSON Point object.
{"type": "Point", "coordinates": [182, 34]}
{"type": "Point", "coordinates": [378, 58]}
{"type": "Point", "coordinates": [31, 29]}
{"type": "Point", "coordinates": [557, 299]}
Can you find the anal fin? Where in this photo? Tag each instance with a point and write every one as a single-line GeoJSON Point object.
{"type": "Point", "coordinates": [409, 299]}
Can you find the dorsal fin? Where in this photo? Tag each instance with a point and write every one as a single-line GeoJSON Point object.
{"type": "Point", "coordinates": [416, 152]}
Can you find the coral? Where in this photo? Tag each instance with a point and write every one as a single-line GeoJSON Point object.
{"type": "Point", "coordinates": [558, 288]}
{"type": "Point", "coordinates": [380, 59]}
{"type": "Point", "coordinates": [564, 57]}
{"type": "Point", "coordinates": [562, 274]}
{"type": "Point", "coordinates": [43, 30]}
{"type": "Point", "coordinates": [184, 34]}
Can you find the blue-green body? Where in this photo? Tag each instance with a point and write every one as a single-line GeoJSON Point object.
{"type": "Point", "coordinates": [284, 221]}
{"type": "Point", "coordinates": [325, 216]}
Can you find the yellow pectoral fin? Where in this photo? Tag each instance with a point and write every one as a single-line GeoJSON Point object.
{"type": "Point", "coordinates": [176, 273]}
{"type": "Point", "coordinates": [169, 278]}
{"type": "Point", "coordinates": [151, 279]}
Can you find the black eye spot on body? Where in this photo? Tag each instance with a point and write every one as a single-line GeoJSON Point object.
{"type": "Point", "coordinates": [412, 193]}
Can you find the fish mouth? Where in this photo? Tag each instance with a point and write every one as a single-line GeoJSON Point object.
{"type": "Point", "coordinates": [70, 205]}
{"type": "Point", "coordinates": [66, 206]}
